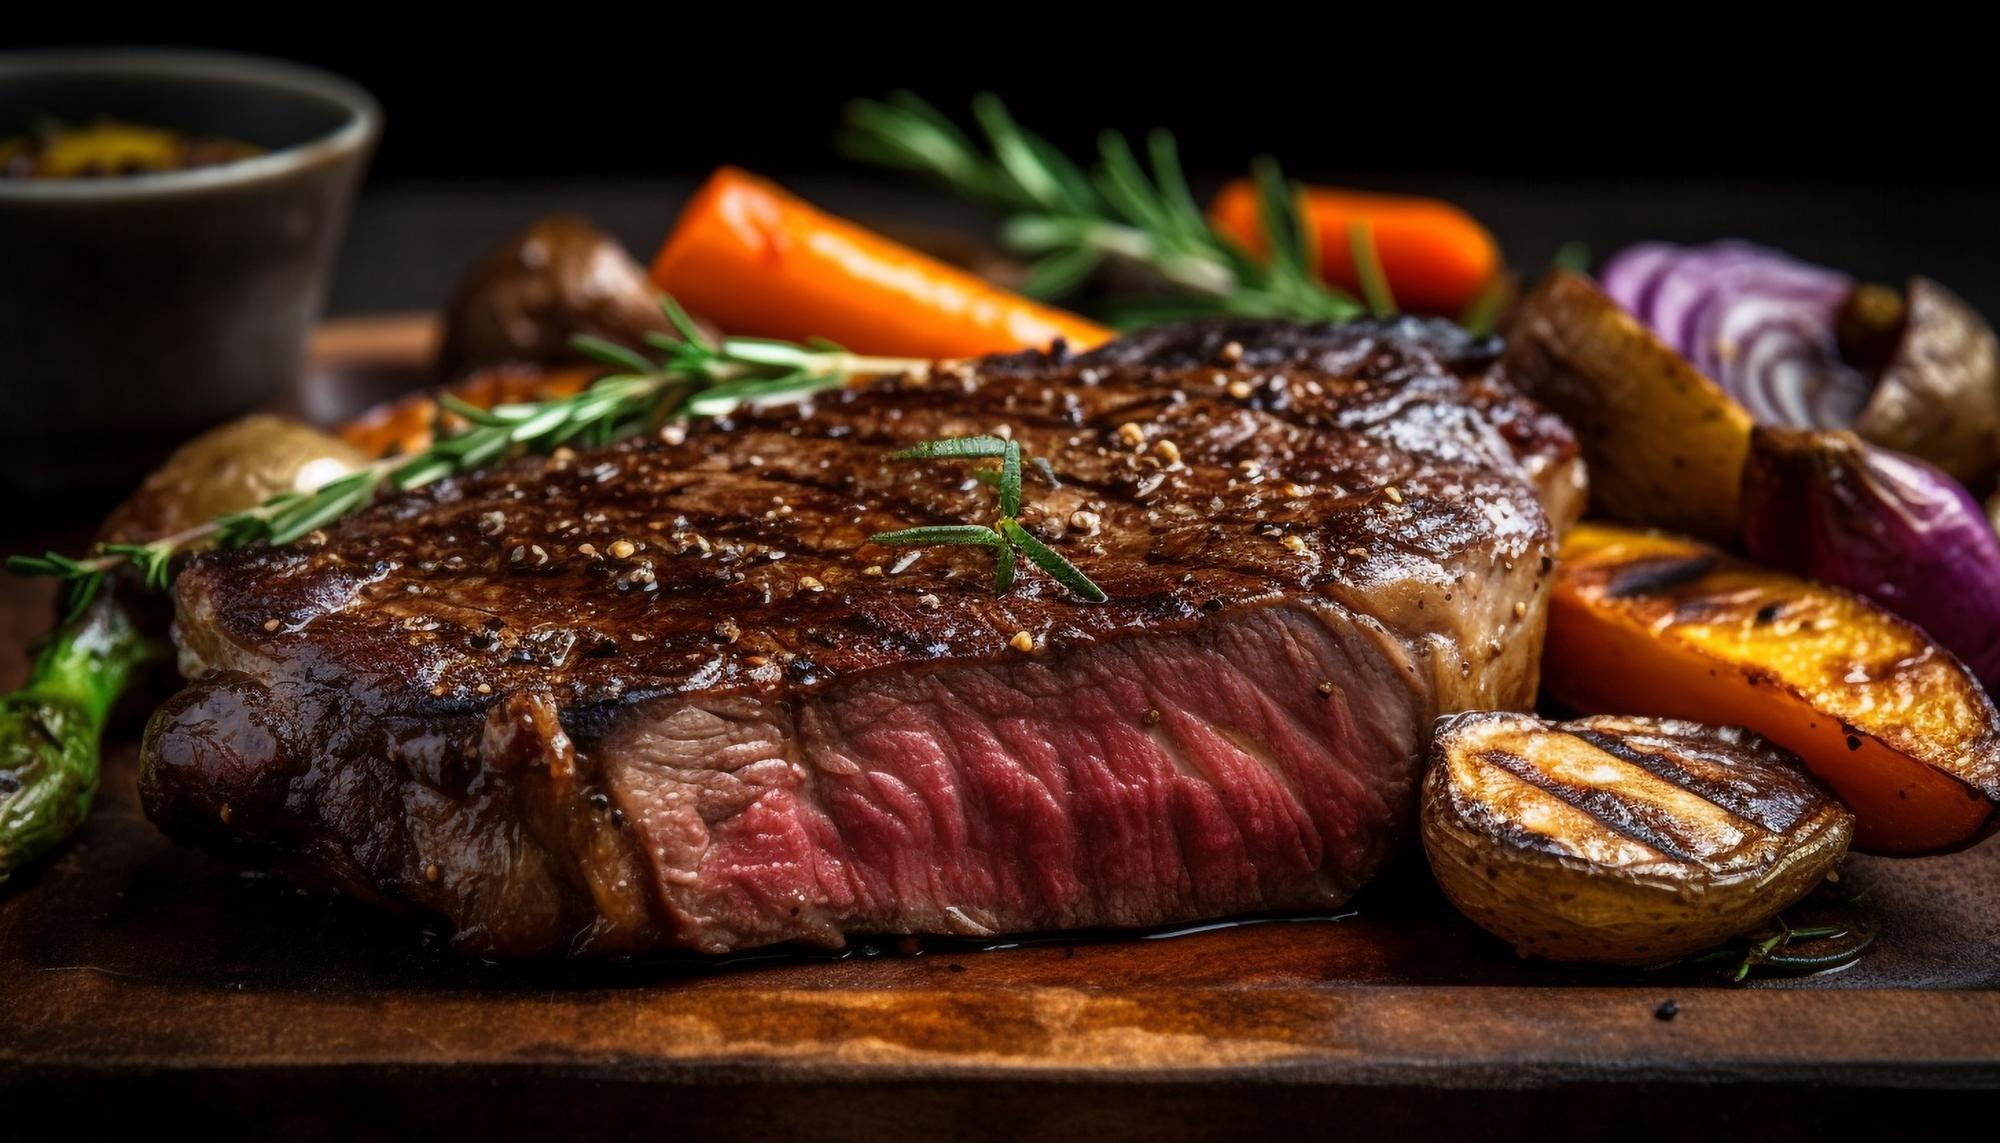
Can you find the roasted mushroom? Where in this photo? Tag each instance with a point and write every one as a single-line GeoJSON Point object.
{"type": "Point", "coordinates": [523, 303]}
{"type": "Point", "coordinates": [1622, 840]}
{"type": "Point", "coordinates": [1938, 396]}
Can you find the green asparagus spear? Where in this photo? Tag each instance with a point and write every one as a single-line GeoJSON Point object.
{"type": "Point", "coordinates": [50, 728]}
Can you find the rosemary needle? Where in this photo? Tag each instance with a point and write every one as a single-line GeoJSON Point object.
{"type": "Point", "coordinates": [688, 376]}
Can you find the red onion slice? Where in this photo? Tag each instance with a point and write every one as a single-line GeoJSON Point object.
{"type": "Point", "coordinates": [1758, 322]}
{"type": "Point", "coordinates": [1699, 277]}
{"type": "Point", "coordinates": [1631, 277]}
{"type": "Point", "coordinates": [1781, 376]}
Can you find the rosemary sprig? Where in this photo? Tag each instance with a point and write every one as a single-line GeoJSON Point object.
{"type": "Point", "coordinates": [1005, 537]}
{"type": "Point", "coordinates": [1072, 220]}
{"type": "Point", "coordinates": [690, 377]}
{"type": "Point", "coordinates": [1776, 946]}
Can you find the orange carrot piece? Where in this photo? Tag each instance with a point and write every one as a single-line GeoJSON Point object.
{"type": "Point", "coordinates": [762, 262]}
{"type": "Point", "coordinates": [1437, 257]}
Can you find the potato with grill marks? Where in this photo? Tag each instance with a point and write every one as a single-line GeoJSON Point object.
{"type": "Point", "coordinates": [1622, 840]}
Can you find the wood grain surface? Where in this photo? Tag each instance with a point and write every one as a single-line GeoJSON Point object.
{"type": "Point", "coordinates": [139, 980]}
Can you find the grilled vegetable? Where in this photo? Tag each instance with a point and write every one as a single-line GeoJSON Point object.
{"type": "Point", "coordinates": [1891, 721]}
{"type": "Point", "coordinates": [50, 728]}
{"type": "Point", "coordinates": [1758, 322]}
{"type": "Point", "coordinates": [1664, 445]}
{"type": "Point", "coordinates": [1938, 396]}
{"type": "Point", "coordinates": [226, 469]}
{"type": "Point", "coordinates": [1802, 346]}
{"type": "Point", "coordinates": [523, 302]}
{"type": "Point", "coordinates": [1906, 535]}
{"type": "Point", "coordinates": [1621, 840]}
{"type": "Point", "coordinates": [762, 262]}
{"type": "Point", "coordinates": [1437, 259]}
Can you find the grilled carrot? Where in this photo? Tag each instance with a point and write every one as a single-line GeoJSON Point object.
{"type": "Point", "coordinates": [1436, 256]}
{"type": "Point", "coordinates": [764, 263]}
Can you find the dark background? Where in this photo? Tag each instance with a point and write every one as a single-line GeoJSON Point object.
{"type": "Point", "coordinates": [1867, 147]}
{"type": "Point", "coordinates": [578, 92]}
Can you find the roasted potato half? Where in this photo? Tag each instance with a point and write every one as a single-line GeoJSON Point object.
{"type": "Point", "coordinates": [1664, 444]}
{"type": "Point", "coordinates": [1621, 840]}
{"type": "Point", "coordinates": [227, 469]}
{"type": "Point", "coordinates": [1666, 626]}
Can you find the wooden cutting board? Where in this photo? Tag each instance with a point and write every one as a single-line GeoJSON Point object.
{"type": "Point", "coordinates": [142, 984]}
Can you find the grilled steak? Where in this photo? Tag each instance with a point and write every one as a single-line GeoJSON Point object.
{"type": "Point", "coordinates": [668, 695]}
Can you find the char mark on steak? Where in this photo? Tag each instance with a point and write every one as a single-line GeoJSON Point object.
{"type": "Point", "coordinates": [667, 694]}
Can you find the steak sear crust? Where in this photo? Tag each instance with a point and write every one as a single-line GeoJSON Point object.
{"type": "Point", "coordinates": [667, 694]}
